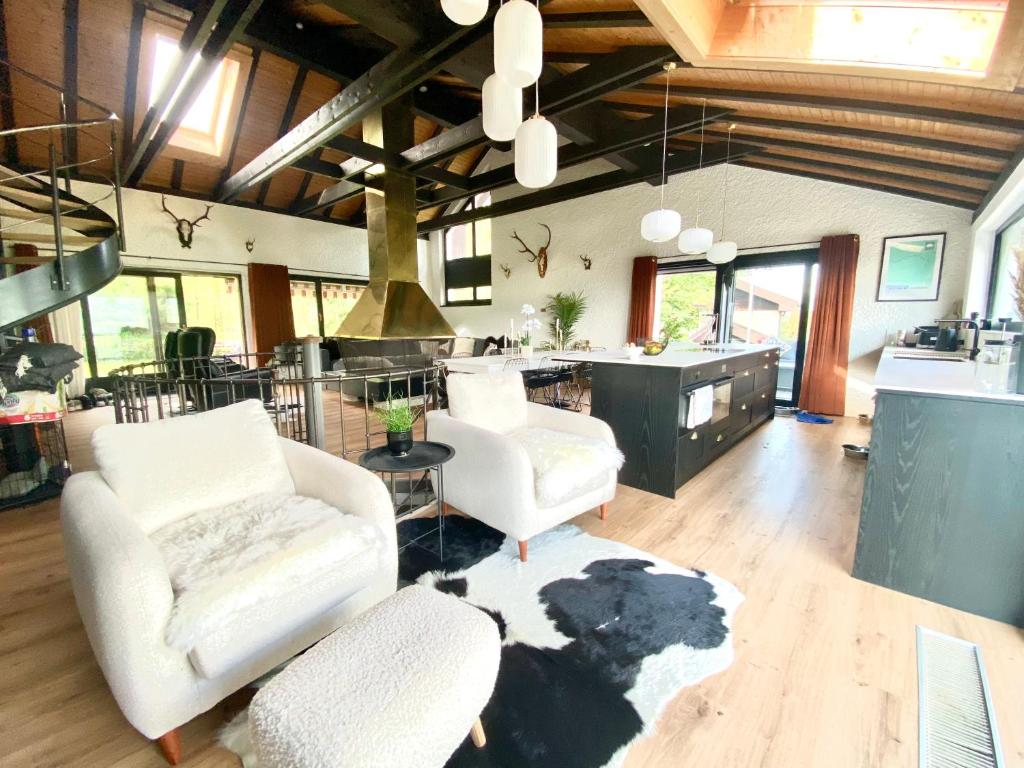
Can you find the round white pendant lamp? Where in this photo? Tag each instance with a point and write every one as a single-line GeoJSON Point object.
{"type": "Point", "coordinates": [722, 252]}
{"type": "Point", "coordinates": [661, 225]}
{"type": "Point", "coordinates": [465, 12]}
{"type": "Point", "coordinates": [696, 240]}
{"type": "Point", "coordinates": [518, 43]}
{"type": "Point", "coordinates": [502, 108]}
{"type": "Point", "coordinates": [536, 151]}
{"type": "Point", "coordinates": [664, 224]}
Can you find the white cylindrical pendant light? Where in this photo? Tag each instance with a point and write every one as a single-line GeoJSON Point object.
{"type": "Point", "coordinates": [518, 43]}
{"type": "Point", "coordinates": [722, 252]}
{"type": "Point", "coordinates": [502, 108]}
{"type": "Point", "coordinates": [536, 151]}
{"type": "Point", "coordinates": [465, 12]}
{"type": "Point", "coordinates": [696, 240]}
{"type": "Point", "coordinates": [661, 225]}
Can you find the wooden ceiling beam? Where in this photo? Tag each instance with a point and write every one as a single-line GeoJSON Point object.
{"type": "Point", "coordinates": [242, 109]}
{"type": "Point", "coordinates": [214, 27]}
{"type": "Point", "coordinates": [70, 95]}
{"type": "Point", "coordinates": [837, 179]}
{"type": "Point", "coordinates": [132, 79]}
{"type": "Point", "coordinates": [286, 122]}
{"type": "Point", "coordinates": [838, 103]}
{"type": "Point", "coordinates": [602, 182]}
{"type": "Point", "coordinates": [596, 20]}
{"type": "Point", "coordinates": [1008, 169]}
{"type": "Point", "coordinates": [7, 104]}
{"type": "Point", "coordinates": [857, 154]}
{"type": "Point", "coordinates": [395, 75]}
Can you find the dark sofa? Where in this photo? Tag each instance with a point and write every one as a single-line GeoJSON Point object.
{"type": "Point", "coordinates": [386, 358]}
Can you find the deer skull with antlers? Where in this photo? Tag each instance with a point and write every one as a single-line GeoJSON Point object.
{"type": "Point", "coordinates": [185, 227]}
{"type": "Point", "coordinates": [541, 256]}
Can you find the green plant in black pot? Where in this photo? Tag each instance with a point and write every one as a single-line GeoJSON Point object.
{"type": "Point", "coordinates": [397, 416]}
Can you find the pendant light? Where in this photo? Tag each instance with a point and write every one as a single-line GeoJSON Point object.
{"type": "Point", "coordinates": [536, 149]}
{"type": "Point", "coordinates": [502, 108]}
{"type": "Point", "coordinates": [465, 12]}
{"type": "Point", "coordinates": [724, 251]}
{"type": "Point", "coordinates": [662, 225]}
{"type": "Point", "coordinates": [697, 239]}
{"type": "Point", "coordinates": [518, 43]}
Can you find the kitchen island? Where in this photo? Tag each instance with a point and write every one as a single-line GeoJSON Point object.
{"type": "Point", "coordinates": [942, 515]}
{"type": "Point", "coordinates": [646, 402]}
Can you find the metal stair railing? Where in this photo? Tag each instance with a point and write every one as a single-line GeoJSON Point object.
{"type": "Point", "coordinates": [39, 199]}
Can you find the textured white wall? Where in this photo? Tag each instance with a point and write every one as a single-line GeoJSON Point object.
{"type": "Point", "coordinates": [765, 208]}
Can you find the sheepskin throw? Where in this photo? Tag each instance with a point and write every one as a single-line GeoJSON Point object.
{"type": "Point", "coordinates": [226, 560]}
{"type": "Point", "coordinates": [566, 465]}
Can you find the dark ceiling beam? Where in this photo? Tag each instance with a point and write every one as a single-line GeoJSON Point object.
{"type": "Point", "coordinates": [214, 27]}
{"type": "Point", "coordinates": [395, 75]}
{"type": "Point", "coordinates": [1008, 170]}
{"type": "Point", "coordinates": [7, 105]}
{"type": "Point", "coordinates": [369, 153]}
{"type": "Point", "coordinates": [242, 109]}
{"type": "Point", "coordinates": [857, 154]}
{"type": "Point", "coordinates": [401, 22]}
{"type": "Point", "coordinates": [286, 121]}
{"type": "Point", "coordinates": [907, 140]}
{"type": "Point", "coordinates": [334, 194]}
{"type": "Point", "coordinates": [596, 20]}
{"type": "Point", "coordinates": [630, 136]}
{"type": "Point", "coordinates": [70, 95]}
{"type": "Point", "coordinates": [602, 182]}
{"type": "Point", "coordinates": [132, 78]}
{"type": "Point", "coordinates": [877, 187]}
{"type": "Point", "coordinates": [572, 57]}
{"type": "Point", "coordinates": [838, 103]}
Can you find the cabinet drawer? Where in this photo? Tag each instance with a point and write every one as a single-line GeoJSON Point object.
{"type": "Point", "coordinates": [763, 403]}
{"type": "Point", "coordinates": [743, 383]}
{"type": "Point", "coordinates": [742, 412]}
{"type": "Point", "coordinates": [689, 455]}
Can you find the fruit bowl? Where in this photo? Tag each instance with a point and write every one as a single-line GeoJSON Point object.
{"type": "Point", "coordinates": [653, 348]}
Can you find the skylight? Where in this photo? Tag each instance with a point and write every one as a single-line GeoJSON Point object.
{"type": "Point", "coordinates": [205, 124]}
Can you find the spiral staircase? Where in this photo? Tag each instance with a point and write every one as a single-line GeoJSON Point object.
{"type": "Point", "coordinates": [77, 244]}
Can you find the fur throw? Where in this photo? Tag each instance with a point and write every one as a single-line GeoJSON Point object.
{"type": "Point", "coordinates": [566, 465]}
{"type": "Point", "coordinates": [226, 560]}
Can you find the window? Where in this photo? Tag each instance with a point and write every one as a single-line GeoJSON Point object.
{"type": "Point", "coordinates": [467, 259]}
{"type": "Point", "coordinates": [1007, 262]}
{"type": "Point", "coordinates": [685, 302]}
{"type": "Point", "coordinates": [320, 305]}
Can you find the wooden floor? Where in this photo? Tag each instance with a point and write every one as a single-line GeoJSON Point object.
{"type": "Point", "coordinates": [824, 674]}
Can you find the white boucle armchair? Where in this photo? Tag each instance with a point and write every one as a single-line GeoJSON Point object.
{"type": "Point", "coordinates": [112, 521]}
{"type": "Point", "coordinates": [493, 476]}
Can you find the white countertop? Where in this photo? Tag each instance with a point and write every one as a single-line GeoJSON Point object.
{"type": "Point", "coordinates": [942, 378]}
{"type": "Point", "coordinates": [673, 357]}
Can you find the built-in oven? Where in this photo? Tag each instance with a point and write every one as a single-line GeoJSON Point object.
{"type": "Point", "coordinates": [721, 403]}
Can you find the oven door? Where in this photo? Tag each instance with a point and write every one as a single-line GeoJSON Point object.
{"type": "Point", "coordinates": [721, 407]}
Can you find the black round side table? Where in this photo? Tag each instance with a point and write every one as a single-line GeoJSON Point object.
{"type": "Point", "coordinates": [425, 455]}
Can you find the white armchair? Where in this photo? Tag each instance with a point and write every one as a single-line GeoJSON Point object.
{"type": "Point", "coordinates": [521, 467]}
{"type": "Point", "coordinates": [163, 476]}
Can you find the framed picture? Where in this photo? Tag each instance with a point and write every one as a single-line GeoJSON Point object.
{"type": "Point", "coordinates": [911, 267]}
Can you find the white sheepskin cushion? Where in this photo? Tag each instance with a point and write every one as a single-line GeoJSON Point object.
{"type": "Point", "coordinates": [399, 686]}
{"type": "Point", "coordinates": [566, 465]}
{"type": "Point", "coordinates": [224, 561]}
{"type": "Point", "coordinates": [165, 470]}
{"type": "Point", "coordinates": [494, 401]}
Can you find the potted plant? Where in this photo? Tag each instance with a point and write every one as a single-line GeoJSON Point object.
{"type": "Point", "coordinates": [397, 416]}
{"type": "Point", "coordinates": [566, 310]}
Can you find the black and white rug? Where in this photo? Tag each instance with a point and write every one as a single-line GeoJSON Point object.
{"type": "Point", "coordinates": [597, 638]}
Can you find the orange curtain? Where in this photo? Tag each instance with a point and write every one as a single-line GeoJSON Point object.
{"type": "Point", "coordinates": [823, 387]}
{"type": "Point", "coordinates": [270, 297]}
{"type": "Point", "coordinates": [641, 304]}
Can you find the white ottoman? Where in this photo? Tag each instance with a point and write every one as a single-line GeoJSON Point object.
{"type": "Point", "coordinates": [398, 687]}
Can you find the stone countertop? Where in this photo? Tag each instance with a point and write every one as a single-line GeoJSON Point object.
{"type": "Point", "coordinates": [673, 357]}
{"type": "Point", "coordinates": [933, 377]}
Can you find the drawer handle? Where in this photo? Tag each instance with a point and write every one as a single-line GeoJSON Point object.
{"type": "Point", "coordinates": [719, 439]}
{"type": "Point", "coordinates": [746, 373]}
{"type": "Point", "coordinates": [767, 354]}
{"type": "Point", "coordinates": [764, 395]}
{"type": "Point", "coordinates": [766, 366]}
{"type": "Point", "coordinates": [694, 435]}
{"type": "Point", "coordinates": [743, 407]}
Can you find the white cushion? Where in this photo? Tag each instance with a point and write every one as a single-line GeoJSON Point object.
{"type": "Point", "coordinates": [494, 401]}
{"type": "Point", "coordinates": [566, 465]}
{"type": "Point", "coordinates": [165, 470]}
{"type": "Point", "coordinates": [399, 686]}
{"type": "Point", "coordinates": [462, 345]}
{"type": "Point", "coordinates": [225, 561]}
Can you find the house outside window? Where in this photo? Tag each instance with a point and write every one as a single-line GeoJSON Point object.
{"type": "Point", "coordinates": [467, 259]}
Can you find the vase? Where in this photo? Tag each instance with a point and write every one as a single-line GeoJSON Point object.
{"type": "Point", "coordinates": [400, 443]}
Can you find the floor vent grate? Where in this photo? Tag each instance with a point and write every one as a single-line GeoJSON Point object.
{"type": "Point", "coordinates": [957, 728]}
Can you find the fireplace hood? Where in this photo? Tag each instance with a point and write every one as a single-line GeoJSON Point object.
{"type": "Point", "coordinates": [394, 305]}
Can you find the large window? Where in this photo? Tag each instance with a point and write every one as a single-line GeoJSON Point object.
{"type": "Point", "coordinates": [685, 303]}
{"type": "Point", "coordinates": [126, 321]}
{"type": "Point", "coordinates": [467, 259]}
{"type": "Point", "coordinates": [319, 305]}
{"type": "Point", "coordinates": [1007, 263]}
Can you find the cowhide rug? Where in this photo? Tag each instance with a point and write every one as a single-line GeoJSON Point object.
{"type": "Point", "coordinates": [597, 638]}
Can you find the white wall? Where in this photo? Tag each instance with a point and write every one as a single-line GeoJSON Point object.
{"type": "Point", "coordinates": [765, 208]}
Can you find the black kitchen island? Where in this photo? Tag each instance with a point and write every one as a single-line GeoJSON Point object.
{"type": "Point", "coordinates": [646, 402]}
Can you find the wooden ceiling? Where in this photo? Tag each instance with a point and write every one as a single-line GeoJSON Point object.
{"type": "Point", "coordinates": [313, 67]}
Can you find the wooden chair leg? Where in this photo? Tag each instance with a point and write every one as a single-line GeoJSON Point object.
{"type": "Point", "coordinates": [522, 550]}
{"type": "Point", "coordinates": [170, 745]}
{"type": "Point", "coordinates": [476, 733]}
{"type": "Point", "coordinates": [604, 511]}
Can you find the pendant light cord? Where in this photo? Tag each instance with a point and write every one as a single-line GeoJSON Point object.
{"type": "Point", "coordinates": [725, 182]}
{"type": "Point", "coordinates": [700, 159]}
{"type": "Point", "coordinates": [664, 139]}
{"type": "Point", "coordinates": [536, 86]}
